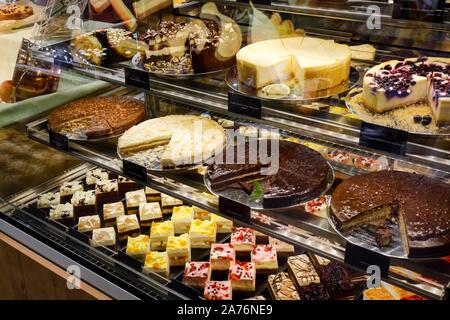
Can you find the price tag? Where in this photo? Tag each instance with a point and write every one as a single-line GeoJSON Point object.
{"type": "Point", "coordinates": [244, 105]}
{"type": "Point", "coordinates": [78, 235]}
{"type": "Point", "coordinates": [383, 138]}
{"type": "Point", "coordinates": [129, 261]}
{"type": "Point", "coordinates": [58, 141]}
{"type": "Point", "coordinates": [135, 171]}
{"type": "Point", "coordinates": [235, 209]}
{"type": "Point", "coordinates": [180, 287]}
{"type": "Point", "coordinates": [263, 2]}
{"type": "Point", "coordinates": [137, 78]}
{"type": "Point", "coordinates": [362, 258]}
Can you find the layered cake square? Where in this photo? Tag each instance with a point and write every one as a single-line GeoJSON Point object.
{"type": "Point", "coordinates": [128, 226]}
{"type": "Point", "coordinates": [138, 247]}
{"type": "Point", "coordinates": [201, 214]}
{"type": "Point", "coordinates": [48, 200]}
{"type": "Point", "coordinates": [283, 249]}
{"type": "Point", "coordinates": [111, 211]}
{"type": "Point", "coordinates": [152, 195]}
{"type": "Point", "coordinates": [196, 274]}
{"type": "Point", "coordinates": [92, 176]}
{"type": "Point", "coordinates": [88, 223]}
{"type": "Point", "coordinates": [67, 190]}
{"type": "Point", "coordinates": [133, 199]}
{"type": "Point", "coordinates": [105, 237]}
{"type": "Point", "coordinates": [84, 203]}
{"type": "Point", "coordinates": [159, 234]}
{"type": "Point", "coordinates": [221, 256]}
{"type": "Point", "coordinates": [223, 225]}
{"type": "Point", "coordinates": [181, 218]}
{"type": "Point", "coordinates": [179, 250]}
{"type": "Point", "coordinates": [63, 213]}
{"type": "Point", "coordinates": [202, 233]}
{"type": "Point", "coordinates": [126, 185]}
{"type": "Point", "coordinates": [243, 240]}
{"type": "Point", "coordinates": [265, 258]}
{"type": "Point", "coordinates": [282, 287]}
{"type": "Point", "coordinates": [242, 276]}
{"type": "Point", "coordinates": [149, 212]}
{"type": "Point", "coordinates": [107, 191]}
{"type": "Point", "coordinates": [218, 290]}
{"type": "Point", "coordinates": [157, 262]}
{"type": "Point", "coordinates": [168, 202]}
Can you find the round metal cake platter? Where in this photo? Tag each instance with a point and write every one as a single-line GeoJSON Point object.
{"type": "Point", "coordinates": [293, 97]}
{"type": "Point", "coordinates": [81, 138]}
{"type": "Point", "coordinates": [186, 76]}
{"type": "Point", "coordinates": [239, 195]}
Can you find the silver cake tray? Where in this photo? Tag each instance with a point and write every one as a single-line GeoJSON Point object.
{"type": "Point", "coordinates": [239, 195]}
{"type": "Point", "coordinates": [295, 95]}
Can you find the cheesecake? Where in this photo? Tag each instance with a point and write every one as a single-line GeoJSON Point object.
{"type": "Point", "coordinates": [315, 64]}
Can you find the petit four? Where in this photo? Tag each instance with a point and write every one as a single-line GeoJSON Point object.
{"type": "Point", "coordinates": [84, 203]}
{"type": "Point", "coordinates": [243, 240]}
{"type": "Point", "coordinates": [157, 262]}
{"type": "Point", "coordinates": [68, 189]}
{"type": "Point", "coordinates": [242, 276]}
{"type": "Point", "coordinates": [159, 233]}
{"type": "Point", "coordinates": [152, 195]}
{"type": "Point", "coordinates": [107, 191]}
{"type": "Point", "coordinates": [149, 212]}
{"type": "Point", "coordinates": [128, 226]}
{"type": "Point", "coordinates": [62, 213]}
{"type": "Point", "coordinates": [318, 206]}
{"type": "Point", "coordinates": [201, 214]}
{"type": "Point", "coordinates": [283, 249]}
{"type": "Point", "coordinates": [181, 218]}
{"type": "Point", "coordinates": [93, 176]}
{"type": "Point", "coordinates": [221, 256]}
{"type": "Point", "coordinates": [48, 200]}
{"type": "Point", "coordinates": [223, 225]}
{"type": "Point", "coordinates": [179, 250]}
{"type": "Point", "coordinates": [168, 202]}
{"type": "Point", "coordinates": [196, 274]}
{"type": "Point", "coordinates": [126, 185]}
{"type": "Point", "coordinates": [202, 233]}
{"type": "Point", "coordinates": [335, 277]}
{"type": "Point", "coordinates": [111, 211]}
{"type": "Point", "coordinates": [218, 290]}
{"type": "Point", "coordinates": [138, 247]}
{"type": "Point", "coordinates": [282, 288]}
{"type": "Point", "coordinates": [88, 223]}
{"type": "Point", "coordinates": [265, 258]}
{"type": "Point", "coordinates": [133, 199]}
{"type": "Point", "coordinates": [104, 237]}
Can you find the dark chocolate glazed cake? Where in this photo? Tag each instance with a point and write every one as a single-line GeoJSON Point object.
{"type": "Point", "coordinates": [422, 204]}
{"type": "Point", "coordinates": [301, 176]}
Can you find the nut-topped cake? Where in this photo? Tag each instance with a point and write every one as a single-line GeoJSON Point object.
{"type": "Point", "coordinates": [421, 203]}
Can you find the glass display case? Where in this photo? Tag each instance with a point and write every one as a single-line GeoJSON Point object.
{"type": "Point", "coordinates": [347, 90]}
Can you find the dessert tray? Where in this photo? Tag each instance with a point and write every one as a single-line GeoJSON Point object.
{"type": "Point", "coordinates": [291, 94]}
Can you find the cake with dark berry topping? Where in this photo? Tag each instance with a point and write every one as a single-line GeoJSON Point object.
{"type": "Point", "coordinates": [196, 274]}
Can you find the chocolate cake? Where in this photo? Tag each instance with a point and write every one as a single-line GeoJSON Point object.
{"type": "Point", "coordinates": [421, 203]}
{"type": "Point", "coordinates": [301, 176]}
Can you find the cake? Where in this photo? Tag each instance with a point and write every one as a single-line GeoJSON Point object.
{"type": "Point", "coordinates": [168, 203]}
{"type": "Point", "coordinates": [107, 191]}
{"type": "Point", "coordinates": [159, 233]}
{"type": "Point", "coordinates": [111, 211]}
{"type": "Point", "coordinates": [265, 258]}
{"type": "Point", "coordinates": [15, 12]}
{"type": "Point", "coordinates": [152, 195]}
{"type": "Point", "coordinates": [336, 278]}
{"type": "Point", "coordinates": [96, 117]}
{"type": "Point", "coordinates": [218, 290]}
{"type": "Point", "coordinates": [126, 185]}
{"type": "Point", "coordinates": [242, 276]}
{"type": "Point", "coordinates": [149, 212]}
{"type": "Point", "coordinates": [179, 250]}
{"type": "Point", "coordinates": [92, 176]}
{"type": "Point", "coordinates": [201, 214]}
{"type": "Point", "coordinates": [182, 217]}
{"type": "Point", "coordinates": [157, 262]}
{"type": "Point", "coordinates": [84, 203]}
{"type": "Point", "coordinates": [314, 64]}
{"type": "Point", "coordinates": [224, 225]}
{"type": "Point", "coordinates": [291, 172]}
{"type": "Point", "coordinates": [202, 233]}
{"type": "Point", "coordinates": [63, 213]}
{"type": "Point", "coordinates": [67, 190]}
{"type": "Point", "coordinates": [282, 248]}
{"type": "Point", "coordinates": [394, 84]}
{"type": "Point", "coordinates": [137, 247]}
{"type": "Point", "coordinates": [133, 199]}
{"type": "Point", "coordinates": [243, 240]}
{"type": "Point", "coordinates": [105, 237]}
{"type": "Point", "coordinates": [48, 200]}
{"type": "Point", "coordinates": [221, 256]}
{"type": "Point", "coordinates": [318, 206]}
{"type": "Point", "coordinates": [421, 203]}
{"type": "Point", "coordinates": [87, 224]}
{"type": "Point", "coordinates": [196, 274]}
{"type": "Point", "coordinates": [282, 288]}
{"type": "Point", "coordinates": [128, 226]}
{"type": "Point", "coordinates": [187, 139]}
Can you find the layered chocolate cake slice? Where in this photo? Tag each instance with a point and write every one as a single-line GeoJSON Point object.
{"type": "Point", "coordinates": [421, 203]}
